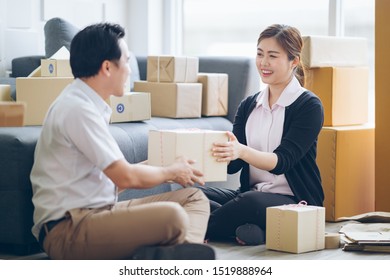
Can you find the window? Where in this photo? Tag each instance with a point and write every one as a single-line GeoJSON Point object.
{"type": "Point", "coordinates": [231, 27]}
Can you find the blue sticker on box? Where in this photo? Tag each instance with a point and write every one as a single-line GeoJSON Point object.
{"type": "Point", "coordinates": [51, 68]}
{"type": "Point", "coordinates": [120, 108]}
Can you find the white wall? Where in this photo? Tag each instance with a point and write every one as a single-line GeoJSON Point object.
{"type": "Point", "coordinates": [152, 26]}
{"type": "Point", "coordinates": [22, 22]}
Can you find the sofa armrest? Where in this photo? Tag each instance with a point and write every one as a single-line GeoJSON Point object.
{"type": "Point", "coordinates": [23, 66]}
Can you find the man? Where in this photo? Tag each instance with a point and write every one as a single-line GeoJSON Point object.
{"type": "Point", "coordinates": [79, 168]}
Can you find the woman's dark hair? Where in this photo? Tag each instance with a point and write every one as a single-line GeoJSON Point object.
{"type": "Point", "coordinates": [93, 45]}
{"type": "Point", "coordinates": [289, 38]}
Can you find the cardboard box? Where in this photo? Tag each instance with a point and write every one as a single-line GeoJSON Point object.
{"type": "Point", "coordinates": [165, 146]}
{"type": "Point", "coordinates": [38, 93]}
{"type": "Point", "coordinates": [173, 100]}
{"type": "Point", "coordinates": [5, 93]}
{"type": "Point", "coordinates": [323, 51]}
{"type": "Point", "coordinates": [172, 69]}
{"type": "Point", "coordinates": [11, 113]}
{"type": "Point", "coordinates": [214, 93]}
{"type": "Point", "coordinates": [345, 157]}
{"type": "Point", "coordinates": [57, 65]}
{"type": "Point", "coordinates": [295, 228]}
{"type": "Point", "coordinates": [343, 92]}
{"type": "Point", "coordinates": [56, 68]}
{"type": "Point", "coordinates": [132, 106]}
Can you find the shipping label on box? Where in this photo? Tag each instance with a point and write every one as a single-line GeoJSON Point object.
{"type": "Point", "coordinates": [295, 228]}
{"type": "Point", "coordinates": [172, 69]}
{"type": "Point", "coordinates": [173, 100]}
{"type": "Point", "coordinates": [343, 92]}
{"type": "Point", "coordinates": [164, 146]}
{"type": "Point", "coordinates": [214, 93]}
{"type": "Point", "coordinates": [56, 68]}
{"type": "Point", "coordinates": [38, 93]}
{"type": "Point", "coordinates": [346, 159]}
{"type": "Point", "coordinates": [323, 51]}
{"type": "Point", "coordinates": [5, 93]}
{"type": "Point", "coordinates": [11, 113]}
{"type": "Point", "coordinates": [132, 106]}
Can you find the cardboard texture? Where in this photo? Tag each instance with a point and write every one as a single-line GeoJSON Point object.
{"type": "Point", "coordinates": [369, 237]}
{"type": "Point", "coordinates": [56, 68]}
{"type": "Point", "coordinates": [5, 93]}
{"type": "Point", "coordinates": [11, 113]}
{"type": "Point", "coordinates": [38, 93]}
{"type": "Point", "coordinates": [343, 92]}
{"type": "Point", "coordinates": [323, 51]}
{"type": "Point", "coordinates": [172, 69]}
{"type": "Point", "coordinates": [132, 106]}
{"type": "Point", "coordinates": [165, 146]}
{"type": "Point", "coordinates": [345, 157]}
{"type": "Point", "coordinates": [214, 93]}
{"type": "Point", "coordinates": [295, 228]}
{"type": "Point", "coordinates": [173, 100]}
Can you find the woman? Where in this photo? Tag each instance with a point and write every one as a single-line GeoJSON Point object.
{"type": "Point", "coordinates": [273, 144]}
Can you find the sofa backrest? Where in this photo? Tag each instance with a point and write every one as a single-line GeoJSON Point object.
{"type": "Point", "coordinates": [244, 79]}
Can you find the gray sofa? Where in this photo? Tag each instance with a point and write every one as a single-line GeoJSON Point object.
{"type": "Point", "coordinates": [17, 146]}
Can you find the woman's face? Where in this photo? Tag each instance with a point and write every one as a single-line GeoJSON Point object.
{"type": "Point", "coordinates": [272, 63]}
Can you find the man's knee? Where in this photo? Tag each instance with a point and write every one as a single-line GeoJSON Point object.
{"type": "Point", "coordinates": [196, 194]}
{"type": "Point", "coordinates": [176, 221]}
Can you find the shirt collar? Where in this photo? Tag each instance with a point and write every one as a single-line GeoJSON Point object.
{"type": "Point", "coordinates": [100, 104]}
{"type": "Point", "coordinates": [292, 91]}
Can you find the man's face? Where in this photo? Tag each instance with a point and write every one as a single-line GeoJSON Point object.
{"type": "Point", "coordinates": [122, 70]}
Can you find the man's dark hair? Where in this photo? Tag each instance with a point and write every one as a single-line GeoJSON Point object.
{"type": "Point", "coordinates": [93, 45]}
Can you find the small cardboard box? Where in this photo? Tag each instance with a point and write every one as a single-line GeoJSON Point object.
{"type": "Point", "coordinates": [214, 93]}
{"type": "Point", "coordinates": [5, 93]}
{"type": "Point", "coordinates": [164, 146]}
{"type": "Point", "coordinates": [132, 106]}
{"type": "Point", "coordinates": [343, 92]}
{"type": "Point", "coordinates": [172, 69]}
{"type": "Point", "coordinates": [56, 68]}
{"type": "Point", "coordinates": [11, 113]}
{"type": "Point", "coordinates": [345, 157]}
{"type": "Point", "coordinates": [173, 100]}
{"type": "Point", "coordinates": [324, 51]}
{"type": "Point", "coordinates": [57, 65]}
{"type": "Point", "coordinates": [295, 228]}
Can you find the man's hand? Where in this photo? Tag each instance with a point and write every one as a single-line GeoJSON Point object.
{"type": "Point", "coordinates": [184, 173]}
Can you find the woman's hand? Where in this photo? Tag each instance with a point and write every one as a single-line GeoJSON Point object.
{"type": "Point", "coordinates": [227, 151]}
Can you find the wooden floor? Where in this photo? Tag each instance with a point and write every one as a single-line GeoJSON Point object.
{"type": "Point", "coordinates": [233, 251]}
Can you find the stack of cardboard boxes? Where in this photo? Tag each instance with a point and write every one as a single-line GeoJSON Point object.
{"type": "Point", "coordinates": [178, 90]}
{"type": "Point", "coordinates": [43, 85]}
{"type": "Point", "coordinates": [337, 72]}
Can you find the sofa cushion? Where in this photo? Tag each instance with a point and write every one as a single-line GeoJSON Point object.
{"type": "Point", "coordinates": [59, 33]}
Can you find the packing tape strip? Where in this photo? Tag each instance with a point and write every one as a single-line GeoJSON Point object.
{"type": "Point", "coordinates": [332, 240]}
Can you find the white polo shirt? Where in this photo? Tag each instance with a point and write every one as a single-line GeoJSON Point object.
{"type": "Point", "coordinates": [74, 147]}
{"type": "Point", "coordinates": [264, 130]}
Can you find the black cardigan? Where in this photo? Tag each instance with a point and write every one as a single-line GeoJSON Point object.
{"type": "Point", "coordinates": [298, 148]}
